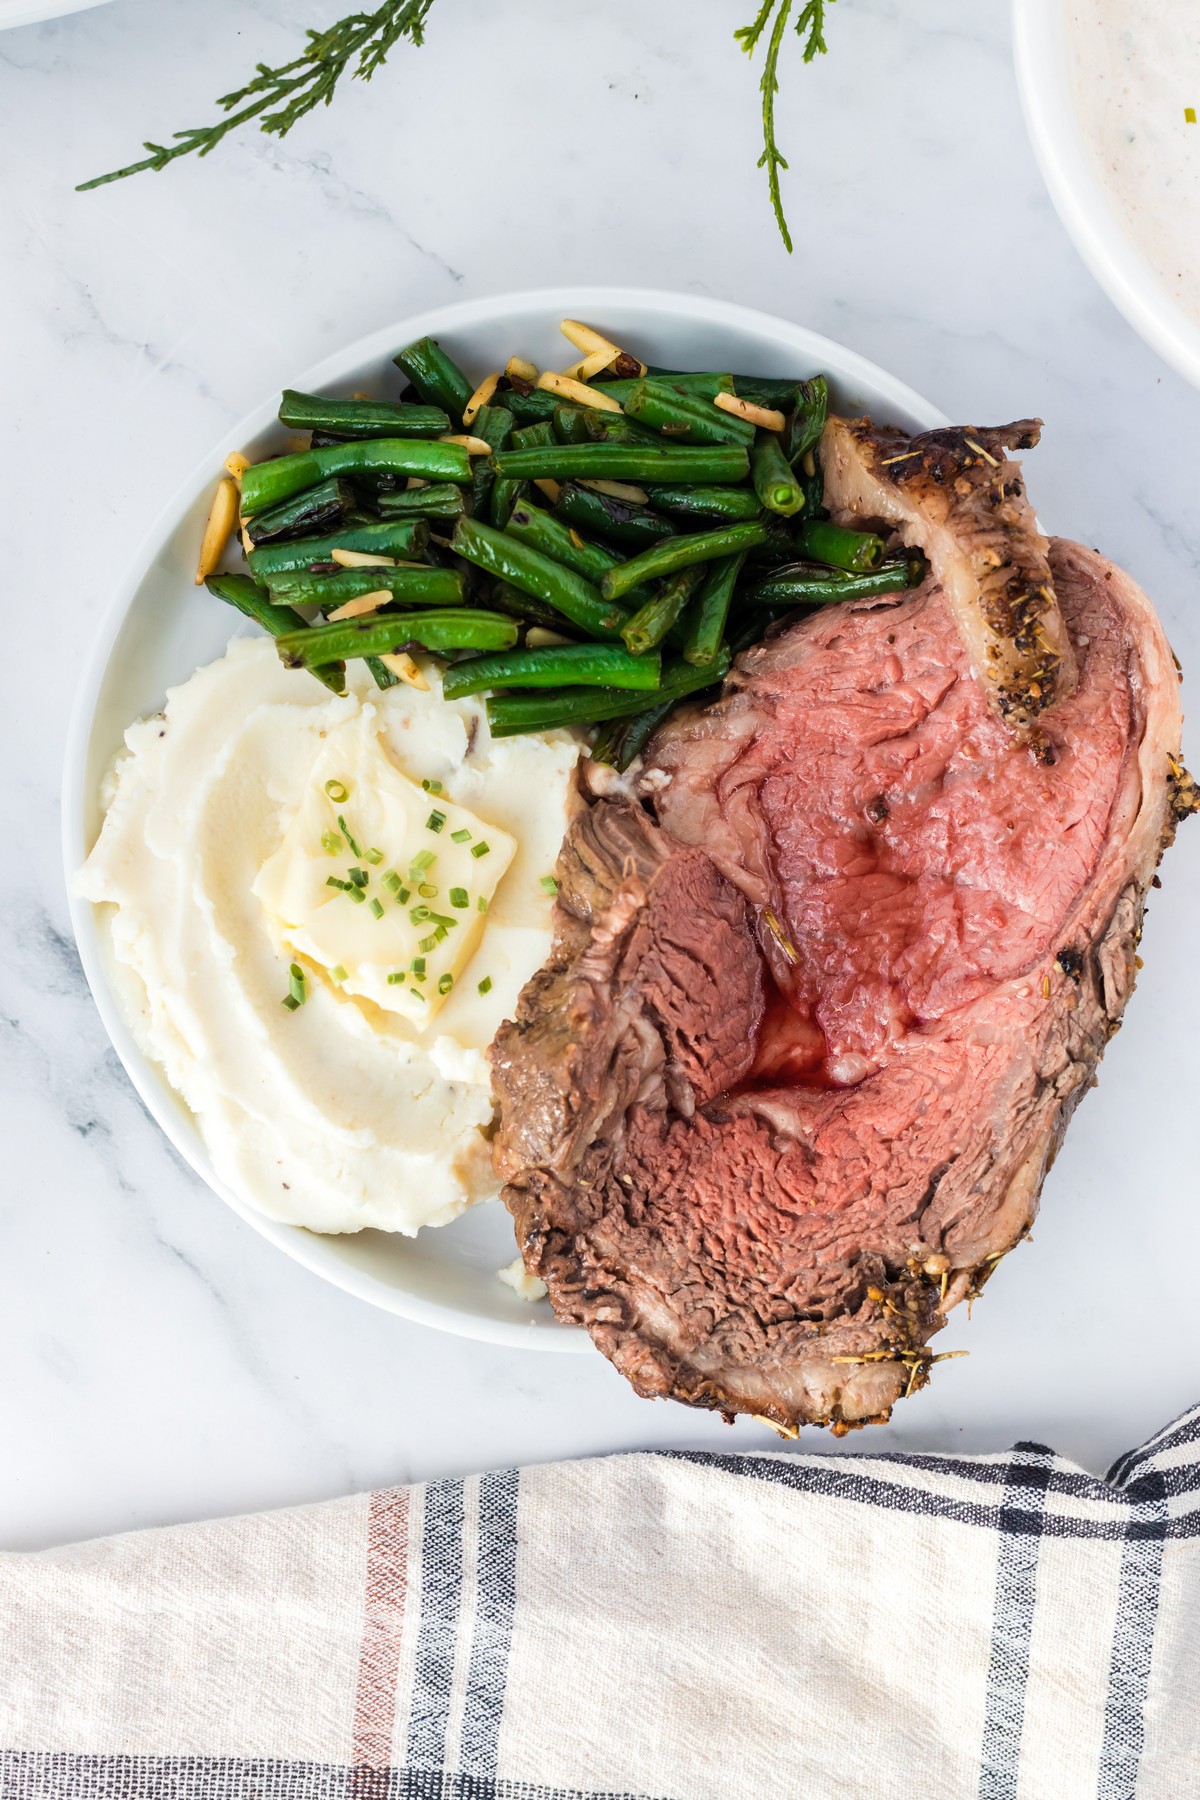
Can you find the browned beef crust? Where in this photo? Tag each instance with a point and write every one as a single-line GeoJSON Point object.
{"type": "Point", "coordinates": [736, 1225]}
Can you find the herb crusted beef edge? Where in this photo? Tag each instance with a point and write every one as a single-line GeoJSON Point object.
{"type": "Point", "coordinates": [778, 1102]}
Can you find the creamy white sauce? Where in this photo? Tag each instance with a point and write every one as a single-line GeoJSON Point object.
{"type": "Point", "coordinates": [1136, 69]}
{"type": "Point", "coordinates": [341, 1114]}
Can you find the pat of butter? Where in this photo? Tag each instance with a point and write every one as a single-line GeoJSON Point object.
{"type": "Point", "coordinates": [426, 868]}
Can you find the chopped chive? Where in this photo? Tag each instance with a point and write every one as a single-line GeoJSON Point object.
{"type": "Point", "coordinates": [358, 876]}
{"type": "Point", "coordinates": [480, 849]}
{"type": "Point", "coordinates": [402, 895]}
{"type": "Point", "coordinates": [435, 821]}
{"type": "Point", "coordinates": [337, 973]}
{"type": "Point", "coordinates": [459, 897]}
{"type": "Point", "coordinates": [427, 890]}
{"type": "Point", "coordinates": [377, 908]}
{"type": "Point", "coordinates": [424, 859]}
{"type": "Point", "coordinates": [428, 943]}
{"type": "Point", "coordinates": [291, 1002]}
{"type": "Point", "coordinates": [432, 787]}
{"type": "Point", "coordinates": [485, 986]}
{"type": "Point", "coordinates": [391, 881]}
{"type": "Point", "coordinates": [460, 837]}
{"type": "Point", "coordinates": [418, 914]}
{"type": "Point", "coordinates": [548, 884]}
{"type": "Point", "coordinates": [357, 894]}
{"type": "Point", "coordinates": [396, 977]}
{"type": "Point", "coordinates": [331, 843]}
{"type": "Point", "coordinates": [445, 982]}
{"type": "Point", "coordinates": [418, 967]}
{"type": "Point", "coordinates": [346, 833]}
{"type": "Point", "coordinates": [440, 933]}
{"type": "Point", "coordinates": [337, 791]}
{"type": "Point", "coordinates": [373, 856]}
{"type": "Point", "coordinates": [335, 881]}
{"type": "Point", "coordinates": [299, 991]}
{"type": "Point", "coordinates": [483, 902]}
{"type": "Point", "coordinates": [416, 992]}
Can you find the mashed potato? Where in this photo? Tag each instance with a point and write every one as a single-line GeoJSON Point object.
{"type": "Point", "coordinates": [369, 1104]}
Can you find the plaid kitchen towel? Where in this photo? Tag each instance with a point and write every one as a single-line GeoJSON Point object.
{"type": "Point", "coordinates": [648, 1627]}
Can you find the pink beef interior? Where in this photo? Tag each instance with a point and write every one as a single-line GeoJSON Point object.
{"type": "Point", "coordinates": [810, 1036]}
{"type": "Point", "coordinates": [914, 852]}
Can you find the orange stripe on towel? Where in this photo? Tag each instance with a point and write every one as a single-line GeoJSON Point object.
{"type": "Point", "coordinates": [379, 1658]}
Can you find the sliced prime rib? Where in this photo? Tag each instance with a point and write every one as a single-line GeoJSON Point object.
{"type": "Point", "coordinates": [823, 999]}
{"type": "Point", "coordinates": [957, 495]}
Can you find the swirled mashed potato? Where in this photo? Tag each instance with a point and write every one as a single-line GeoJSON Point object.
{"type": "Point", "coordinates": [228, 853]}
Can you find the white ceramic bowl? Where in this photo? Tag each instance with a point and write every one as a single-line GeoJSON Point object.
{"type": "Point", "coordinates": [1041, 43]}
{"type": "Point", "coordinates": [32, 12]}
{"type": "Point", "coordinates": [160, 627]}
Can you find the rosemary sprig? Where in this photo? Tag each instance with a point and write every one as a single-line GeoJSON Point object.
{"type": "Point", "coordinates": [810, 25]}
{"type": "Point", "coordinates": [280, 97]}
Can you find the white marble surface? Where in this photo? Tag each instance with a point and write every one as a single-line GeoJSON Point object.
{"type": "Point", "coordinates": [160, 1362]}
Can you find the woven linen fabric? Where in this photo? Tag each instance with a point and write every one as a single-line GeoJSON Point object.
{"type": "Point", "coordinates": [642, 1627]}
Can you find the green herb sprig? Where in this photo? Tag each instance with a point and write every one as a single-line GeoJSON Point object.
{"type": "Point", "coordinates": [810, 25]}
{"type": "Point", "coordinates": [279, 98]}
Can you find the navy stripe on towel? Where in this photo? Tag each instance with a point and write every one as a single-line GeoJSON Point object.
{"type": "Point", "coordinates": [441, 1593]}
{"type": "Point", "coordinates": [496, 1597]}
{"type": "Point", "coordinates": [1018, 1543]}
{"type": "Point", "coordinates": [1133, 1642]}
{"type": "Point", "coordinates": [886, 1483]}
{"type": "Point", "coordinates": [1183, 1430]}
{"type": "Point", "coordinates": [40, 1775]}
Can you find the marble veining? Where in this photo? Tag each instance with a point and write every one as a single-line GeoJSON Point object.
{"type": "Point", "coordinates": [161, 1362]}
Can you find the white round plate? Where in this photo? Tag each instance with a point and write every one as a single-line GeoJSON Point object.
{"type": "Point", "coordinates": [1041, 44]}
{"type": "Point", "coordinates": [160, 628]}
{"type": "Point", "coordinates": [32, 12]}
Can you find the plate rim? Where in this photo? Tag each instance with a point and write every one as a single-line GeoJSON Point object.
{"type": "Point", "coordinates": [151, 1085]}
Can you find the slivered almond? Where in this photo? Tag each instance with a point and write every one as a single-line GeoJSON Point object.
{"type": "Point", "coordinates": [598, 350]}
{"type": "Point", "coordinates": [359, 395]}
{"type": "Point", "coordinates": [480, 397]}
{"type": "Point", "coordinates": [237, 464]}
{"type": "Point", "coordinates": [594, 365]}
{"type": "Point", "coordinates": [413, 482]}
{"type": "Point", "coordinates": [361, 603]}
{"type": "Point", "coordinates": [247, 541]}
{"type": "Point", "coordinates": [222, 517]}
{"type": "Point", "coordinates": [619, 490]}
{"type": "Point", "coordinates": [570, 389]}
{"type": "Point", "coordinates": [783, 1431]}
{"type": "Point", "coordinates": [361, 559]}
{"type": "Point", "coordinates": [518, 369]}
{"type": "Point", "coordinates": [768, 418]}
{"type": "Point", "coordinates": [547, 485]}
{"type": "Point", "coordinates": [401, 663]}
{"type": "Point", "coordinates": [538, 638]}
{"type": "Point", "coordinates": [472, 445]}
{"type": "Point", "coordinates": [587, 338]}
{"type": "Point", "coordinates": [588, 367]}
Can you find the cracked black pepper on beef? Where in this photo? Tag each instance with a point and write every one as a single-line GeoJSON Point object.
{"type": "Point", "coordinates": [826, 991]}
